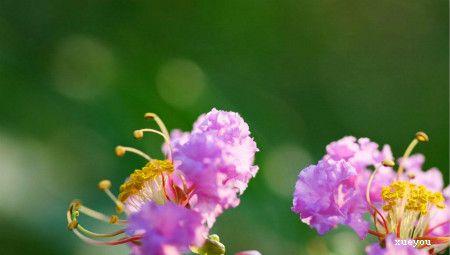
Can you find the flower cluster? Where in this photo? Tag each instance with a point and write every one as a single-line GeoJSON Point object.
{"type": "Point", "coordinates": [172, 203]}
{"type": "Point", "coordinates": [408, 204]}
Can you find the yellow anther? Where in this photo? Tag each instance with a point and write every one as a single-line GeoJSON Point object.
{"type": "Point", "coordinates": [113, 219]}
{"type": "Point", "coordinates": [418, 197]}
{"type": "Point", "coordinates": [137, 179]}
{"type": "Point", "coordinates": [411, 176]}
{"type": "Point", "coordinates": [150, 115]}
{"type": "Point", "coordinates": [119, 208]}
{"type": "Point", "coordinates": [422, 137]}
{"type": "Point", "coordinates": [75, 205]}
{"type": "Point", "coordinates": [138, 134]}
{"type": "Point", "coordinates": [388, 162]}
{"type": "Point", "coordinates": [120, 151]}
{"type": "Point", "coordinates": [72, 225]}
{"type": "Point", "coordinates": [104, 184]}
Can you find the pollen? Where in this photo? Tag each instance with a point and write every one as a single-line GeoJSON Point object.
{"type": "Point", "coordinates": [137, 180]}
{"type": "Point", "coordinates": [414, 198]}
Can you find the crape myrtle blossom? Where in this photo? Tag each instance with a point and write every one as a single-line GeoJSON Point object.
{"type": "Point", "coordinates": [171, 204]}
{"type": "Point", "coordinates": [407, 204]}
{"type": "Point", "coordinates": [216, 158]}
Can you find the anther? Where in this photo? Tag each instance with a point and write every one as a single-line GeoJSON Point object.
{"type": "Point", "coordinates": [120, 151]}
{"type": "Point", "coordinates": [158, 121]}
{"type": "Point", "coordinates": [138, 134]}
{"type": "Point", "coordinates": [119, 207]}
{"type": "Point", "coordinates": [422, 137]}
{"type": "Point", "coordinates": [149, 115]}
{"type": "Point", "coordinates": [75, 204]}
{"type": "Point", "coordinates": [72, 225]}
{"type": "Point", "coordinates": [388, 162]}
{"type": "Point", "coordinates": [113, 219]}
{"type": "Point", "coordinates": [104, 184]}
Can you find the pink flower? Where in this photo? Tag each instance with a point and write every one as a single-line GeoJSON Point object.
{"type": "Point", "coordinates": [326, 196]}
{"type": "Point", "coordinates": [167, 229]}
{"type": "Point", "coordinates": [440, 219]}
{"type": "Point", "coordinates": [431, 178]}
{"type": "Point", "coordinates": [409, 204]}
{"type": "Point", "coordinates": [362, 153]}
{"type": "Point", "coordinates": [216, 158]}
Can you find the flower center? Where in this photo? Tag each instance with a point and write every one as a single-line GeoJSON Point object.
{"type": "Point", "coordinates": [415, 198]}
{"type": "Point", "coordinates": [152, 171]}
{"type": "Point", "coordinates": [408, 207]}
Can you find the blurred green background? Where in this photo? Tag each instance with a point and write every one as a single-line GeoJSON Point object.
{"type": "Point", "coordinates": [76, 78]}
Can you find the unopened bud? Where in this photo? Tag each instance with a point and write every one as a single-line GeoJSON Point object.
{"type": "Point", "coordinates": [212, 246]}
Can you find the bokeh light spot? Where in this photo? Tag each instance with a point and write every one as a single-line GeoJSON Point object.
{"type": "Point", "coordinates": [83, 67]}
{"type": "Point", "coordinates": [346, 243]}
{"type": "Point", "coordinates": [282, 165]}
{"type": "Point", "coordinates": [180, 82]}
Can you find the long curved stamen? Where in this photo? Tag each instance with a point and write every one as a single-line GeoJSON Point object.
{"type": "Point", "coordinates": [100, 216]}
{"type": "Point", "coordinates": [375, 233]}
{"type": "Point", "coordinates": [158, 121]}
{"type": "Point", "coordinates": [389, 163]}
{"type": "Point", "coordinates": [99, 235]}
{"type": "Point", "coordinates": [114, 242]}
{"type": "Point", "coordinates": [138, 134]}
{"type": "Point", "coordinates": [420, 137]}
{"type": "Point", "coordinates": [437, 226]}
{"type": "Point", "coordinates": [121, 150]}
{"type": "Point", "coordinates": [73, 225]}
{"type": "Point", "coordinates": [162, 127]}
{"type": "Point", "coordinates": [105, 186]}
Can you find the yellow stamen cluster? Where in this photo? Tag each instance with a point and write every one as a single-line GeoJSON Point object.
{"type": "Point", "coordinates": [150, 171]}
{"type": "Point", "coordinates": [416, 198]}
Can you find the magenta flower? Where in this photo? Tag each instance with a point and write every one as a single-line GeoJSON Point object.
{"type": "Point", "coordinates": [216, 158]}
{"type": "Point", "coordinates": [407, 205]}
{"type": "Point", "coordinates": [326, 196]}
{"type": "Point", "coordinates": [362, 153]}
{"type": "Point", "coordinates": [172, 203]}
{"type": "Point", "coordinates": [166, 229]}
{"type": "Point", "coordinates": [431, 178]}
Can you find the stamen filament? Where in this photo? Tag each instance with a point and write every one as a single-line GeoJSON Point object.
{"type": "Point", "coordinates": [119, 205]}
{"type": "Point", "coordinates": [408, 151]}
{"type": "Point", "coordinates": [420, 137]}
{"type": "Point", "coordinates": [437, 226]}
{"type": "Point", "coordinates": [369, 184]}
{"type": "Point", "coordinates": [375, 233]}
{"type": "Point", "coordinates": [114, 242]}
{"type": "Point", "coordinates": [98, 235]}
{"type": "Point", "coordinates": [98, 215]}
{"type": "Point", "coordinates": [158, 121]}
{"type": "Point", "coordinates": [120, 151]}
{"type": "Point", "coordinates": [138, 134]}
